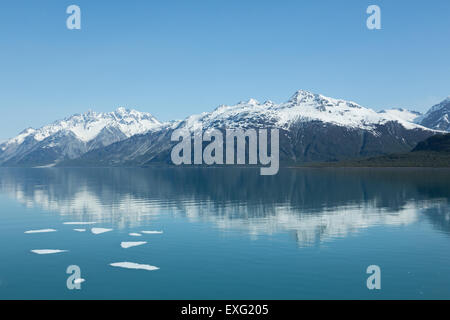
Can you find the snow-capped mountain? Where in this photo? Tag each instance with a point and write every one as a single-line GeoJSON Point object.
{"type": "Point", "coordinates": [73, 136]}
{"type": "Point", "coordinates": [303, 106]}
{"type": "Point", "coordinates": [438, 117]}
{"type": "Point", "coordinates": [401, 113]}
{"type": "Point", "coordinates": [312, 128]}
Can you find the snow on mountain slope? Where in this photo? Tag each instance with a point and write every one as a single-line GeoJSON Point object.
{"type": "Point", "coordinates": [303, 106]}
{"type": "Point", "coordinates": [306, 106]}
{"type": "Point", "coordinates": [77, 134]}
{"type": "Point", "coordinates": [438, 117]}
{"type": "Point", "coordinates": [19, 138]}
{"type": "Point", "coordinates": [314, 128]}
{"type": "Point", "coordinates": [401, 113]}
{"type": "Point", "coordinates": [88, 125]}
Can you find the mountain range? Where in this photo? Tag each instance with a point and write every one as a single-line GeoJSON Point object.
{"type": "Point", "coordinates": [72, 137]}
{"type": "Point", "coordinates": [312, 128]}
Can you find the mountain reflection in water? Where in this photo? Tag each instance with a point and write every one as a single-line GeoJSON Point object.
{"type": "Point", "coordinates": [316, 205]}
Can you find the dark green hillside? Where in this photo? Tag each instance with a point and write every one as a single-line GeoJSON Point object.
{"type": "Point", "coordinates": [437, 143]}
{"type": "Point", "coordinates": [432, 152]}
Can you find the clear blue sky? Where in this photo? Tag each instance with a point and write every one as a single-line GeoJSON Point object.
{"type": "Point", "coordinates": [175, 58]}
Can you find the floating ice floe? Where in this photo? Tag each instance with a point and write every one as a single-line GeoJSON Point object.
{"type": "Point", "coordinates": [79, 223]}
{"type": "Point", "coordinates": [135, 234]}
{"type": "Point", "coordinates": [100, 230]}
{"type": "Point", "coordinates": [47, 251]}
{"type": "Point", "coordinates": [152, 232]}
{"type": "Point", "coordinates": [132, 265]}
{"type": "Point", "coordinates": [79, 230]}
{"type": "Point", "coordinates": [79, 280]}
{"type": "Point", "coordinates": [132, 244]}
{"type": "Point", "coordinates": [40, 231]}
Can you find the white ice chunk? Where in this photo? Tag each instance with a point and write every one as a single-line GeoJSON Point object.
{"type": "Point", "coordinates": [132, 265]}
{"type": "Point", "coordinates": [80, 222]}
{"type": "Point", "coordinates": [80, 230]}
{"type": "Point", "coordinates": [40, 231]}
{"type": "Point", "coordinates": [135, 234]}
{"type": "Point", "coordinates": [100, 230]}
{"type": "Point", "coordinates": [152, 232]}
{"type": "Point", "coordinates": [47, 251]}
{"type": "Point", "coordinates": [132, 244]}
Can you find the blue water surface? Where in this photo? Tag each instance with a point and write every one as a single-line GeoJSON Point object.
{"type": "Point", "coordinates": [227, 233]}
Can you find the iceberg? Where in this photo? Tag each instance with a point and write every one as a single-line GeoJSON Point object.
{"type": "Point", "coordinates": [100, 230]}
{"type": "Point", "coordinates": [135, 234]}
{"type": "Point", "coordinates": [79, 223]}
{"type": "Point", "coordinates": [47, 251]}
{"type": "Point", "coordinates": [132, 244]}
{"type": "Point", "coordinates": [40, 231]}
{"type": "Point", "coordinates": [132, 265]}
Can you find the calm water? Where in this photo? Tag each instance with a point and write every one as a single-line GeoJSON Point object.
{"type": "Point", "coordinates": [227, 233]}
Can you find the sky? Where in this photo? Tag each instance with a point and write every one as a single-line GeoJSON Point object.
{"type": "Point", "coordinates": [176, 58]}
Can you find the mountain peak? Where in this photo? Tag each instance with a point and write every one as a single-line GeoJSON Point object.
{"type": "Point", "coordinates": [302, 96]}
{"type": "Point", "coordinates": [251, 102]}
{"type": "Point", "coordinates": [438, 117]}
{"type": "Point", "coordinates": [122, 110]}
{"type": "Point", "coordinates": [27, 131]}
{"type": "Point", "coordinates": [445, 103]}
{"type": "Point", "coordinates": [88, 125]}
